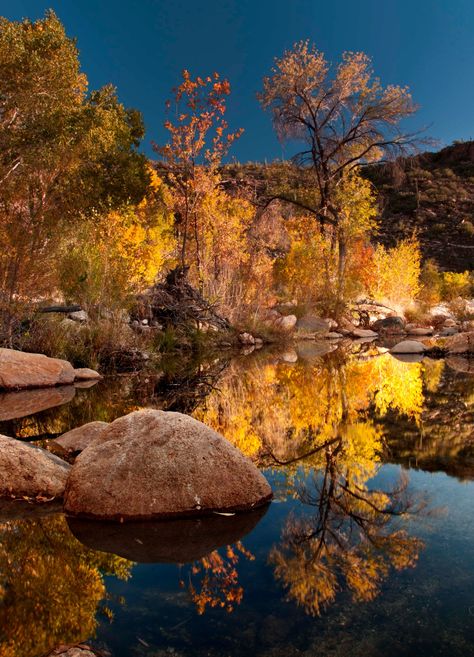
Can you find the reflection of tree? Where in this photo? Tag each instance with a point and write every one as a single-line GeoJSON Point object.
{"type": "Point", "coordinates": [50, 586]}
{"type": "Point", "coordinates": [352, 539]}
{"type": "Point", "coordinates": [213, 581]}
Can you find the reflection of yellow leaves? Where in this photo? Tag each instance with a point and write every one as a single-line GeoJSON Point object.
{"type": "Point", "coordinates": [52, 586]}
{"type": "Point", "coordinates": [398, 386]}
{"type": "Point", "coordinates": [432, 373]}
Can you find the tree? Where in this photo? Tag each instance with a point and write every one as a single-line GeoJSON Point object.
{"type": "Point", "coordinates": [66, 154]}
{"type": "Point", "coordinates": [199, 138]}
{"type": "Point", "coordinates": [345, 118]}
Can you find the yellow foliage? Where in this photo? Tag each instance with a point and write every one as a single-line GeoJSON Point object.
{"type": "Point", "coordinates": [396, 273]}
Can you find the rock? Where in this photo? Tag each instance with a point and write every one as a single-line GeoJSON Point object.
{"type": "Point", "coordinates": [364, 333]}
{"type": "Point", "coordinates": [246, 339]}
{"type": "Point", "coordinates": [428, 330]}
{"type": "Point", "coordinates": [289, 356]}
{"type": "Point", "coordinates": [79, 438]}
{"type": "Point", "coordinates": [460, 364]}
{"type": "Point", "coordinates": [182, 540]}
{"type": "Point", "coordinates": [29, 471]}
{"type": "Point", "coordinates": [389, 325]}
{"type": "Point", "coordinates": [19, 369]}
{"type": "Point", "coordinates": [408, 358]}
{"type": "Point", "coordinates": [448, 323]}
{"type": "Point", "coordinates": [18, 404]}
{"type": "Point", "coordinates": [441, 310]}
{"type": "Point", "coordinates": [258, 342]}
{"type": "Point", "coordinates": [286, 323]}
{"type": "Point", "coordinates": [445, 333]}
{"type": "Point", "coordinates": [310, 351]}
{"type": "Point", "coordinates": [312, 324]}
{"type": "Point", "coordinates": [334, 336]}
{"type": "Point", "coordinates": [157, 464]}
{"type": "Point", "coordinates": [144, 322]}
{"type": "Point", "coordinates": [86, 374]}
{"type": "Point", "coordinates": [79, 316]}
{"type": "Point", "coordinates": [462, 343]}
{"type": "Point", "coordinates": [408, 347]}
{"type": "Point", "coordinates": [331, 322]}
{"type": "Point", "coordinates": [77, 650]}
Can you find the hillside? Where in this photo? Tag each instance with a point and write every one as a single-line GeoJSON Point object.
{"type": "Point", "coordinates": [431, 193]}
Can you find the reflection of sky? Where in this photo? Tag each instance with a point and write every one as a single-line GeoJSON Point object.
{"type": "Point", "coordinates": [417, 610]}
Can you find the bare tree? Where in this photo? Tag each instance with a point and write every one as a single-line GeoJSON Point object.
{"type": "Point", "coordinates": [344, 116]}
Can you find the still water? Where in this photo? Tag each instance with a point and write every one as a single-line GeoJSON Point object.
{"type": "Point", "coordinates": [367, 549]}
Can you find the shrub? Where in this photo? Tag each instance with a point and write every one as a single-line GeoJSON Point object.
{"type": "Point", "coordinates": [396, 278]}
{"type": "Point", "coordinates": [456, 284]}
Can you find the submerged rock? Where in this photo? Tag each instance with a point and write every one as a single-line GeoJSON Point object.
{"type": "Point", "coordinates": [166, 541]}
{"type": "Point", "coordinates": [79, 438]}
{"type": "Point", "coordinates": [408, 347]}
{"type": "Point", "coordinates": [19, 369]}
{"type": "Point", "coordinates": [156, 464]}
{"type": "Point", "coordinates": [29, 471]}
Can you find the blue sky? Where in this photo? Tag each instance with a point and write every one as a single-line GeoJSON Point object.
{"type": "Point", "coordinates": [142, 46]}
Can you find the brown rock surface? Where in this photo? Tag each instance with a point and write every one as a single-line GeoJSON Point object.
{"type": "Point", "coordinates": [86, 374]}
{"type": "Point", "coordinates": [156, 464]}
{"type": "Point", "coordinates": [19, 369]}
{"type": "Point", "coordinates": [28, 471]}
{"type": "Point", "coordinates": [79, 438]}
{"type": "Point", "coordinates": [462, 343]}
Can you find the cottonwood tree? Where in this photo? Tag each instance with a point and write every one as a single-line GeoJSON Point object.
{"type": "Point", "coordinates": [65, 153]}
{"type": "Point", "coordinates": [344, 117]}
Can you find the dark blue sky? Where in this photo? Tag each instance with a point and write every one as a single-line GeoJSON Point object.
{"type": "Point", "coordinates": [142, 46]}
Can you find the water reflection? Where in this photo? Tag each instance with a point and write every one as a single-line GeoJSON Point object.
{"type": "Point", "coordinates": [350, 538]}
{"type": "Point", "coordinates": [323, 426]}
{"type": "Point", "coordinates": [51, 586]}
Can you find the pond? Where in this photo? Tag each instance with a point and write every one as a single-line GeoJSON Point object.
{"type": "Point", "coordinates": [367, 548]}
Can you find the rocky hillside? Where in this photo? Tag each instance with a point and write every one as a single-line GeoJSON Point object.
{"type": "Point", "coordinates": [433, 194]}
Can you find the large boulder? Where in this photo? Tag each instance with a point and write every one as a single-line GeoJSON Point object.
{"type": "Point", "coordinates": [79, 438]}
{"type": "Point", "coordinates": [19, 369]}
{"type": "Point", "coordinates": [286, 323]}
{"type": "Point", "coordinates": [408, 347]}
{"type": "Point", "coordinates": [389, 325]}
{"type": "Point", "coordinates": [29, 471]}
{"type": "Point", "coordinates": [462, 343]}
{"type": "Point", "coordinates": [154, 464]}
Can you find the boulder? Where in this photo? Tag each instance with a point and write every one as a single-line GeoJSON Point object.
{"type": "Point", "coordinates": [333, 335]}
{"type": "Point", "coordinates": [428, 330]}
{"type": "Point", "coordinates": [29, 471]}
{"type": "Point", "coordinates": [389, 325]}
{"type": "Point", "coordinates": [79, 316]}
{"type": "Point", "coordinates": [312, 324]}
{"type": "Point", "coordinates": [460, 364]}
{"type": "Point", "coordinates": [364, 333]}
{"type": "Point", "coordinates": [452, 330]}
{"type": "Point", "coordinates": [21, 403]}
{"type": "Point", "coordinates": [462, 343]}
{"type": "Point", "coordinates": [19, 369]}
{"type": "Point", "coordinates": [289, 356]}
{"type": "Point", "coordinates": [157, 464]}
{"type": "Point", "coordinates": [86, 374]}
{"type": "Point", "coordinates": [246, 339]}
{"type": "Point", "coordinates": [79, 438]}
{"type": "Point", "coordinates": [408, 347]}
{"type": "Point", "coordinates": [286, 323]}
{"type": "Point", "coordinates": [449, 323]}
